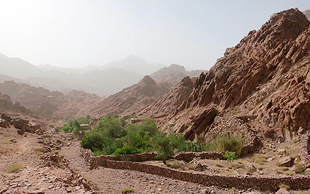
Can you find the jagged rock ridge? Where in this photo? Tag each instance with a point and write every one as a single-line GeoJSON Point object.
{"type": "Point", "coordinates": [260, 86]}
{"type": "Point", "coordinates": [174, 74]}
{"type": "Point", "coordinates": [131, 99]}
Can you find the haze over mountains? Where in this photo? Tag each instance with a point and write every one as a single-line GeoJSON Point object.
{"type": "Point", "coordinates": [57, 92]}
{"type": "Point", "coordinates": [101, 80]}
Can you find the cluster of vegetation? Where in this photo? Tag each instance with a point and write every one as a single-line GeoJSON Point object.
{"type": "Point", "coordinates": [114, 136]}
{"type": "Point", "coordinates": [74, 125]}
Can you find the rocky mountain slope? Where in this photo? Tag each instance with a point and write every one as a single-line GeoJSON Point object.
{"type": "Point", "coordinates": [260, 86]}
{"type": "Point", "coordinates": [307, 14]}
{"type": "Point", "coordinates": [171, 101]}
{"type": "Point", "coordinates": [130, 99]}
{"type": "Point", "coordinates": [7, 106]}
{"type": "Point", "coordinates": [173, 74]}
{"type": "Point", "coordinates": [49, 104]}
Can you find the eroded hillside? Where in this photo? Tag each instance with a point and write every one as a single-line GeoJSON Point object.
{"type": "Point", "coordinates": [259, 86]}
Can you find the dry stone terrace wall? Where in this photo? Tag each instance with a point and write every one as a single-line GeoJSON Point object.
{"type": "Point", "coordinates": [241, 182]}
{"type": "Point", "coordinates": [305, 150]}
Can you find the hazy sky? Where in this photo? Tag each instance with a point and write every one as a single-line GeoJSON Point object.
{"type": "Point", "coordinates": [75, 33]}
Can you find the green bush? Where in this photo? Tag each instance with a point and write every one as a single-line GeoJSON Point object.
{"type": "Point", "coordinates": [93, 140]}
{"type": "Point", "coordinates": [230, 156]}
{"type": "Point", "coordinates": [126, 150]}
{"type": "Point", "coordinates": [112, 136]}
{"type": "Point", "coordinates": [166, 146]}
{"type": "Point", "coordinates": [67, 128]}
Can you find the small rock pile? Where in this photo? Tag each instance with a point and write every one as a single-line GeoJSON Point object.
{"type": "Point", "coordinates": [20, 124]}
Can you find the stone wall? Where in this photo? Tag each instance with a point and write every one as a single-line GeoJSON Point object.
{"type": "Point", "coordinates": [304, 150]}
{"type": "Point", "coordinates": [189, 156]}
{"type": "Point", "coordinates": [241, 182]}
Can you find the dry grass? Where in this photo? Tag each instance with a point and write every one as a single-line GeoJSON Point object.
{"type": "Point", "coordinates": [176, 164]}
{"type": "Point", "coordinates": [37, 152]}
{"type": "Point", "coordinates": [219, 165]}
{"type": "Point", "coordinates": [127, 190]}
{"type": "Point", "coordinates": [300, 168]}
{"type": "Point", "coordinates": [303, 192]}
{"type": "Point", "coordinates": [15, 167]}
{"type": "Point", "coordinates": [191, 166]}
{"type": "Point", "coordinates": [259, 159]}
{"type": "Point", "coordinates": [284, 186]}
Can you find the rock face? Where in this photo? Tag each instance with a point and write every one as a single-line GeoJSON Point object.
{"type": "Point", "coordinates": [171, 101]}
{"type": "Point", "coordinates": [307, 14]}
{"type": "Point", "coordinates": [7, 105]}
{"type": "Point", "coordinates": [131, 99]}
{"type": "Point", "coordinates": [260, 86]}
{"type": "Point", "coordinates": [173, 74]}
{"type": "Point", "coordinates": [75, 104]}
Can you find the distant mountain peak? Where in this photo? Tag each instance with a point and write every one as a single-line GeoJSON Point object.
{"type": "Point", "coordinates": [147, 80]}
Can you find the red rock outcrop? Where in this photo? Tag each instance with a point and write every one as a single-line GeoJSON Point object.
{"type": "Point", "coordinates": [263, 82]}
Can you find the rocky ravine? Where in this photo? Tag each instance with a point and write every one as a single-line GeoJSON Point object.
{"type": "Point", "coordinates": [260, 86]}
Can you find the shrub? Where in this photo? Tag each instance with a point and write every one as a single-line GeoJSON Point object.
{"type": "Point", "coordinates": [92, 140]}
{"type": "Point", "coordinates": [126, 150]}
{"type": "Point", "coordinates": [67, 128]}
{"type": "Point", "coordinates": [229, 142]}
{"type": "Point", "coordinates": [300, 168]}
{"type": "Point", "coordinates": [165, 145]}
{"type": "Point", "coordinates": [57, 129]}
{"type": "Point", "coordinates": [15, 167]}
{"type": "Point", "coordinates": [127, 190]}
{"type": "Point", "coordinates": [230, 156]}
{"type": "Point", "coordinates": [111, 127]}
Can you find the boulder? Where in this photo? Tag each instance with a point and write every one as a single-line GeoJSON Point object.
{"type": "Point", "coordinates": [281, 151]}
{"type": "Point", "coordinates": [20, 123]}
{"type": "Point", "coordinates": [32, 127]}
{"type": "Point", "coordinates": [250, 168]}
{"type": "Point", "coordinates": [6, 117]}
{"type": "Point", "coordinates": [286, 161]}
{"type": "Point", "coordinates": [4, 123]}
{"type": "Point", "coordinates": [199, 167]}
{"type": "Point", "coordinates": [21, 131]}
